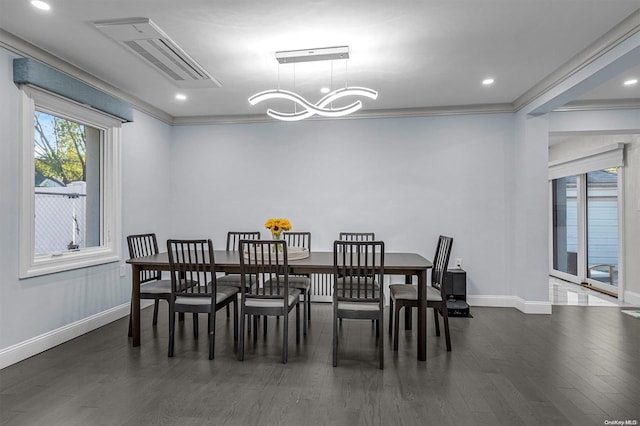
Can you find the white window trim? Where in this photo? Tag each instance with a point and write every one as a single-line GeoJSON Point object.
{"type": "Point", "coordinates": [110, 186]}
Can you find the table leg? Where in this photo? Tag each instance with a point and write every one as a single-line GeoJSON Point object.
{"type": "Point", "coordinates": [135, 304]}
{"type": "Point", "coordinates": [408, 279]}
{"type": "Point", "coordinates": [422, 315]}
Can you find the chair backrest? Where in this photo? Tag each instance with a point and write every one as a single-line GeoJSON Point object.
{"type": "Point", "coordinates": [234, 237]}
{"type": "Point", "coordinates": [440, 263]}
{"type": "Point", "coordinates": [192, 268]}
{"type": "Point", "coordinates": [141, 245]}
{"type": "Point", "coordinates": [298, 239]}
{"type": "Point", "coordinates": [358, 269]}
{"type": "Point", "coordinates": [357, 236]}
{"type": "Point", "coordinates": [265, 264]}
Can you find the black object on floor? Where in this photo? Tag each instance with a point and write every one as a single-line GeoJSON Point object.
{"type": "Point", "coordinates": [456, 289]}
{"type": "Point", "coordinates": [458, 308]}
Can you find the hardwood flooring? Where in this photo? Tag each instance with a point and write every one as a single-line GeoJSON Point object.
{"type": "Point", "coordinates": [578, 366]}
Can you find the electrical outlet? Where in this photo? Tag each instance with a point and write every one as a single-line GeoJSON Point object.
{"type": "Point", "coordinates": [459, 262]}
{"type": "Point", "coordinates": [123, 270]}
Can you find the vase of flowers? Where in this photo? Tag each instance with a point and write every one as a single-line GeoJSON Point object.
{"type": "Point", "coordinates": [276, 226]}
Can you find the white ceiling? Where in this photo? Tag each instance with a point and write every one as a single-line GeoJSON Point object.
{"type": "Point", "coordinates": [415, 53]}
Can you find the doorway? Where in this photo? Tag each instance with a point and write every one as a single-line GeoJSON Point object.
{"type": "Point", "coordinates": [585, 217]}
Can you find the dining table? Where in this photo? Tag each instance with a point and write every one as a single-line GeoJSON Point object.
{"type": "Point", "coordinates": [318, 262]}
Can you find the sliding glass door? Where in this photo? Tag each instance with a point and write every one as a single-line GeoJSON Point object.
{"type": "Point", "coordinates": [565, 225]}
{"type": "Point", "coordinates": [585, 228]}
{"type": "Point", "coordinates": [602, 228]}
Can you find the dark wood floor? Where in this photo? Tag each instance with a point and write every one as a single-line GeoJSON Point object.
{"type": "Point", "coordinates": [579, 366]}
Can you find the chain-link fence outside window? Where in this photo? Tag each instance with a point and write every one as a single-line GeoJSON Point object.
{"type": "Point", "coordinates": [60, 220]}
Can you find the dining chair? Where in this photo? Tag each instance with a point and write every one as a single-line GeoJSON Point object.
{"type": "Point", "coordinates": [194, 288]}
{"type": "Point", "coordinates": [358, 271]}
{"type": "Point", "coordinates": [152, 286]}
{"type": "Point", "coordinates": [406, 295]}
{"type": "Point", "coordinates": [301, 282]}
{"type": "Point", "coordinates": [266, 262]}
{"type": "Point", "coordinates": [233, 243]}
{"type": "Point", "coordinates": [357, 236]}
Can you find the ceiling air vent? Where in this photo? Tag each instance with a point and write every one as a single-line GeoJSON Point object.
{"type": "Point", "coordinates": [142, 37]}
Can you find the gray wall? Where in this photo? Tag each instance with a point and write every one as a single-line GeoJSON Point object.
{"type": "Point", "coordinates": [407, 179]}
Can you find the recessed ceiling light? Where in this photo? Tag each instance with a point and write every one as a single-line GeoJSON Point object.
{"type": "Point", "coordinates": [488, 81]}
{"type": "Point", "coordinates": [324, 90]}
{"type": "Point", "coordinates": [631, 82]}
{"type": "Point", "coordinates": [181, 97]}
{"type": "Point", "coordinates": [40, 5]}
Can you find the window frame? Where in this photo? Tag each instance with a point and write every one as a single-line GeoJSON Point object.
{"type": "Point", "coordinates": [110, 186]}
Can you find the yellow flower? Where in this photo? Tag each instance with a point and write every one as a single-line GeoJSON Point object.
{"type": "Point", "coordinates": [277, 225]}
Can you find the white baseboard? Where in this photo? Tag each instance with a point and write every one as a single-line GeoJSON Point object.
{"type": "Point", "coordinates": [632, 298]}
{"type": "Point", "coordinates": [38, 344]}
{"type": "Point", "coordinates": [528, 307]}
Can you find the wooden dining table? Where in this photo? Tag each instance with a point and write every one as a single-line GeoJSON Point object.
{"type": "Point", "coordinates": [318, 262]}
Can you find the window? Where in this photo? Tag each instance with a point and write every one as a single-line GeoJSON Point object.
{"type": "Point", "coordinates": [70, 185]}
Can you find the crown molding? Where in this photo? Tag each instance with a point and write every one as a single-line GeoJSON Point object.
{"type": "Point", "coordinates": [362, 114]}
{"type": "Point", "coordinates": [590, 105]}
{"type": "Point", "coordinates": [23, 48]}
{"type": "Point", "coordinates": [618, 34]}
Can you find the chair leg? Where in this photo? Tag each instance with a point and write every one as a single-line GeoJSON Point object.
{"type": "Point", "coordinates": [255, 328]}
{"type": "Point", "coordinates": [445, 316]}
{"type": "Point", "coordinates": [235, 320]}
{"type": "Point", "coordinates": [436, 321]}
{"type": "Point", "coordinates": [391, 316]}
{"type": "Point", "coordinates": [407, 318]}
{"type": "Point", "coordinates": [212, 334]}
{"type": "Point", "coordinates": [308, 304]}
{"type": "Point", "coordinates": [298, 321]}
{"type": "Point", "coordinates": [155, 311]}
{"type": "Point", "coordinates": [396, 330]}
{"type": "Point", "coordinates": [172, 328]}
{"type": "Point", "coordinates": [195, 326]}
{"type": "Point", "coordinates": [130, 319]}
{"type": "Point", "coordinates": [264, 326]}
{"type": "Point", "coordinates": [241, 336]}
{"type": "Point", "coordinates": [285, 338]}
{"type": "Point", "coordinates": [335, 339]}
{"type": "Point", "coordinates": [381, 344]}
{"type": "Point", "coordinates": [304, 313]}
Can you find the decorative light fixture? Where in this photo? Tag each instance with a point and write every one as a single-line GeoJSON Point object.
{"type": "Point", "coordinates": [324, 106]}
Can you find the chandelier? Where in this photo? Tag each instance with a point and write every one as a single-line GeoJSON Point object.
{"type": "Point", "coordinates": [324, 107]}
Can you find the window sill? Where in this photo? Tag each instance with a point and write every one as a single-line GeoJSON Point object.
{"type": "Point", "coordinates": [66, 261]}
